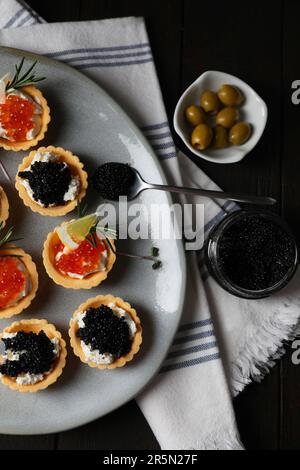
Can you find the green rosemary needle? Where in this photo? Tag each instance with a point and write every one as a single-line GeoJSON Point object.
{"type": "Point", "coordinates": [6, 237]}
{"type": "Point", "coordinates": [20, 81]}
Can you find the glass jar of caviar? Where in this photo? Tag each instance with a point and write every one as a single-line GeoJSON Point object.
{"type": "Point", "coordinates": [251, 254]}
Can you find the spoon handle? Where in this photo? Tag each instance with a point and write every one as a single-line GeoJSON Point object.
{"type": "Point", "coordinates": [237, 197]}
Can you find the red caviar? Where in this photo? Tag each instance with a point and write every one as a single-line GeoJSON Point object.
{"type": "Point", "coordinates": [82, 261]}
{"type": "Point", "coordinates": [16, 115]}
{"type": "Point", "coordinates": [12, 280]}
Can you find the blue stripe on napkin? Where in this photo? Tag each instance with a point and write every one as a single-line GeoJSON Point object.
{"type": "Point", "coordinates": [160, 137]}
{"type": "Point", "coordinates": [67, 52]}
{"type": "Point", "coordinates": [11, 23]}
{"type": "Point", "coordinates": [188, 349]}
{"type": "Point", "coordinates": [196, 324]}
{"type": "Point", "coordinates": [192, 349]}
{"type": "Point", "coordinates": [25, 16]}
{"type": "Point", "coordinates": [192, 362]}
{"type": "Point", "coordinates": [153, 127]}
{"type": "Point", "coordinates": [115, 63]}
{"type": "Point", "coordinates": [185, 339]}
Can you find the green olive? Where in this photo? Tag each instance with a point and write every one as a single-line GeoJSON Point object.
{"type": "Point", "coordinates": [220, 139]}
{"type": "Point", "coordinates": [202, 136]}
{"type": "Point", "coordinates": [230, 95]}
{"type": "Point", "coordinates": [195, 115]}
{"type": "Point", "coordinates": [239, 133]}
{"type": "Point", "coordinates": [210, 102]}
{"type": "Point", "coordinates": [227, 117]}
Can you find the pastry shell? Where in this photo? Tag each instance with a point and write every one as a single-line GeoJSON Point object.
{"type": "Point", "coordinates": [4, 206]}
{"type": "Point", "coordinates": [36, 326]}
{"type": "Point", "coordinates": [34, 93]}
{"type": "Point", "coordinates": [96, 302]}
{"type": "Point", "coordinates": [88, 282]}
{"type": "Point", "coordinates": [76, 168]}
{"type": "Point", "coordinates": [34, 280]}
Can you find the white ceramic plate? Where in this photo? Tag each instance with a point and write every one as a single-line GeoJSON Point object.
{"type": "Point", "coordinates": [253, 110]}
{"type": "Point", "coordinates": [88, 122]}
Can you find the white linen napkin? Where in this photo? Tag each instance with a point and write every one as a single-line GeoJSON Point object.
{"type": "Point", "coordinates": [188, 404]}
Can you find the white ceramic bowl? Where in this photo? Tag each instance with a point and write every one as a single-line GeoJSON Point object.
{"type": "Point", "coordinates": [253, 110]}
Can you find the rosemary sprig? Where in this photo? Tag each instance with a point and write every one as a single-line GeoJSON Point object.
{"type": "Point", "coordinates": [91, 238]}
{"type": "Point", "coordinates": [157, 265]}
{"type": "Point", "coordinates": [81, 209]}
{"type": "Point", "coordinates": [28, 77]}
{"type": "Point", "coordinates": [106, 233]}
{"type": "Point", "coordinates": [7, 237]}
{"type": "Point", "coordinates": [154, 251]}
{"type": "Point", "coordinates": [107, 240]}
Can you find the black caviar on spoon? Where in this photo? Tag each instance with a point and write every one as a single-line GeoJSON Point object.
{"type": "Point", "coordinates": [113, 180]}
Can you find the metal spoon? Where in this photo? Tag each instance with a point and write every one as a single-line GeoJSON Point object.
{"type": "Point", "coordinates": [140, 185]}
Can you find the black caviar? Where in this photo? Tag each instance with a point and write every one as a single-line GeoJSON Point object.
{"type": "Point", "coordinates": [255, 253]}
{"type": "Point", "coordinates": [113, 180]}
{"type": "Point", "coordinates": [37, 354]}
{"type": "Point", "coordinates": [49, 182]}
{"type": "Point", "coordinates": [105, 331]}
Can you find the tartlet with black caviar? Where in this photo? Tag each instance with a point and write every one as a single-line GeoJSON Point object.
{"type": "Point", "coordinates": [24, 111]}
{"type": "Point", "coordinates": [34, 357]}
{"type": "Point", "coordinates": [105, 332]}
{"type": "Point", "coordinates": [51, 181]}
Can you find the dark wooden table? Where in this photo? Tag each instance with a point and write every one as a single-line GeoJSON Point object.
{"type": "Point", "coordinates": [259, 42]}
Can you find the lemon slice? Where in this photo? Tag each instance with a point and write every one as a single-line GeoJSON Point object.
{"type": "Point", "coordinates": [74, 232]}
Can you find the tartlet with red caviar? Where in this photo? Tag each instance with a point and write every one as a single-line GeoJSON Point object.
{"type": "Point", "coordinates": [4, 207]}
{"type": "Point", "coordinates": [51, 181]}
{"type": "Point", "coordinates": [18, 277]}
{"type": "Point", "coordinates": [34, 357]}
{"type": "Point", "coordinates": [76, 257]}
{"type": "Point", "coordinates": [24, 111]}
{"type": "Point", "coordinates": [105, 332]}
